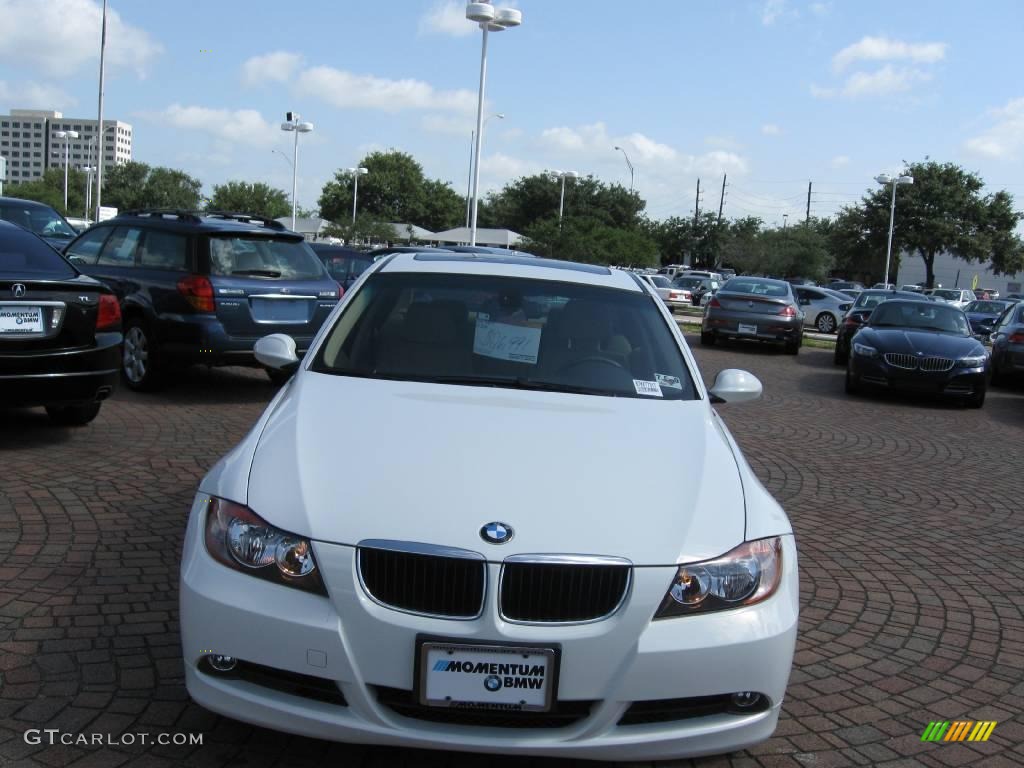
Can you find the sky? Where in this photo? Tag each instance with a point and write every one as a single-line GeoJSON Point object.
{"type": "Point", "coordinates": [773, 93]}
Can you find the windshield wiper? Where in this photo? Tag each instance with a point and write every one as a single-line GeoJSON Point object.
{"type": "Point", "coordinates": [257, 272]}
{"type": "Point", "coordinates": [518, 382]}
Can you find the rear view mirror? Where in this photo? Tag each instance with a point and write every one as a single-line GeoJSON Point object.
{"type": "Point", "coordinates": [277, 351]}
{"type": "Point", "coordinates": [735, 386]}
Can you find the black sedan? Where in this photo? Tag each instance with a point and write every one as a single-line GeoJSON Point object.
{"type": "Point", "coordinates": [756, 308]}
{"type": "Point", "coordinates": [39, 218]}
{"type": "Point", "coordinates": [858, 314]}
{"type": "Point", "coordinates": [344, 264]}
{"type": "Point", "coordinates": [60, 331]}
{"type": "Point", "coordinates": [918, 346]}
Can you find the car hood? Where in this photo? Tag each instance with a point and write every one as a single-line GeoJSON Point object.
{"type": "Point", "coordinates": [345, 459]}
{"type": "Point", "coordinates": [925, 342]}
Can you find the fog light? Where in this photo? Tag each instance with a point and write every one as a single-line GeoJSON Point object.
{"type": "Point", "coordinates": [228, 663]}
{"type": "Point", "coordinates": [745, 699]}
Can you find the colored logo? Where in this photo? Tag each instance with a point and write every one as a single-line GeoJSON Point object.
{"type": "Point", "coordinates": [492, 683]}
{"type": "Point", "coordinates": [959, 730]}
{"type": "Point", "coordinates": [497, 533]}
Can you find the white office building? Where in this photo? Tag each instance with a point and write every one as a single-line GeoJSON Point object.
{"type": "Point", "coordinates": [30, 146]}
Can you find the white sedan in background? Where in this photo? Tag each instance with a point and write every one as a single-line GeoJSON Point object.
{"type": "Point", "coordinates": [498, 583]}
{"type": "Point", "coordinates": [674, 298]}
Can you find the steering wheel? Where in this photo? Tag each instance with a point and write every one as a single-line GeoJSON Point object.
{"type": "Point", "coordinates": [592, 359]}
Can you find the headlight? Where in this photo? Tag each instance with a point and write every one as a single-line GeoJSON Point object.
{"type": "Point", "coordinates": [238, 538]}
{"type": "Point", "coordinates": [746, 575]}
{"type": "Point", "coordinates": [974, 361]}
{"type": "Point", "coordinates": [864, 350]}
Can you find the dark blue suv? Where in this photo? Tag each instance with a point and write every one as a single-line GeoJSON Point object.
{"type": "Point", "coordinates": [203, 287]}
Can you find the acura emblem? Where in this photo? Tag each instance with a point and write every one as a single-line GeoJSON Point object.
{"type": "Point", "coordinates": [497, 533]}
{"type": "Point", "coordinates": [18, 289]}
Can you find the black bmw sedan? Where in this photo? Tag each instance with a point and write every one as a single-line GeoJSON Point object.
{"type": "Point", "coordinates": [918, 346]}
{"type": "Point", "coordinates": [60, 331]}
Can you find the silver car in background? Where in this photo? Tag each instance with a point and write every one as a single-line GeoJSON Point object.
{"type": "Point", "coordinates": [823, 308]}
{"type": "Point", "coordinates": [757, 308]}
{"type": "Point", "coordinates": [673, 297]}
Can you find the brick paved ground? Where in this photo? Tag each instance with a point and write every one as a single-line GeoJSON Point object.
{"type": "Point", "coordinates": [908, 516]}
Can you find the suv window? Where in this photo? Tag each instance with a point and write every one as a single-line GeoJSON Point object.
{"type": "Point", "coordinates": [86, 249]}
{"type": "Point", "coordinates": [264, 257]}
{"type": "Point", "coordinates": [486, 330]}
{"type": "Point", "coordinates": [120, 249]}
{"type": "Point", "coordinates": [164, 250]}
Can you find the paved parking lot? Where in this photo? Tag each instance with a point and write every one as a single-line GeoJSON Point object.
{"type": "Point", "coordinates": [908, 516]}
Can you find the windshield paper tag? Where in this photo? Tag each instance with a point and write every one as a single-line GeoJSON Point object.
{"type": "Point", "coordinates": [517, 343]}
{"type": "Point", "coordinates": [649, 388]}
{"type": "Point", "coordinates": [668, 381]}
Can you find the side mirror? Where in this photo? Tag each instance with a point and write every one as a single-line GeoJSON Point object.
{"type": "Point", "coordinates": [735, 386]}
{"type": "Point", "coordinates": [277, 351]}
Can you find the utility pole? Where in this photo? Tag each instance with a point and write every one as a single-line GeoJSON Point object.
{"type": "Point", "coordinates": [696, 206]}
{"type": "Point", "coordinates": [808, 219]}
{"type": "Point", "coordinates": [721, 200]}
{"type": "Point", "coordinates": [99, 118]}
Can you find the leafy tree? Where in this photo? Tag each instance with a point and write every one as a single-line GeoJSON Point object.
{"type": "Point", "coordinates": [137, 185]}
{"type": "Point", "coordinates": [253, 198]}
{"type": "Point", "coordinates": [799, 251]}
{"type": "Point", "coordinates": [588, 240]}
{"type": "Point", "coordinates": [393, 190]}
{"type": "Point", "coordinates": [366, 229]}
{"type": "Point", "coordinates": [944, 210]}
{"type": "Point", "coordinates": [49, 189]}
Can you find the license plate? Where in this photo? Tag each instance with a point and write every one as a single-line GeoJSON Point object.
{"type": "Point", "coordinates": [280, 310]}
{"type": "Point", "coordinates": [19, 318]}
{"type": "Point", "coordinates": [750, 329]}
{"type": "Point", "coordinates": [486, 677]}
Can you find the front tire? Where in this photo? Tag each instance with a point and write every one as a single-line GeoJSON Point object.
{"type": "Point", "coordinates": [826, 323]}
{"type": "Point", "coordinates": [72, 415]}
{"type": "Point", "coordinates": [140, 360]}
{"type": "Point", "coordinates": [977, 400]}
{"type": "Point", "coordinates": [841, 357]}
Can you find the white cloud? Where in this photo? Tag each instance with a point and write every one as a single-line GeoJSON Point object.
{"type": "Point", "coordinates": [447, 18]}
{"type": "Point", "coordinates": [238, 126]}
{"type": "Point", "coordinates": [278, 66]}
{"type": "Point", "coordinates": [886, 49]}
{"type": "Point", "coordinates": [60, 37]}
{"type": "Point", "coordinates": [771, 129]}
{"type": "Point", "coordinates": [884, 81]}
{"type": "Point", "coordinates": [773, 10]}
{"type": "Point", "coordinates": [33, 95]}
{"type": "Point", "coordinates": [840, 161]}
{"type": "Point", "coordinates": [1004, 139]}
{"type": "Point", "coordinates": [347, 91]}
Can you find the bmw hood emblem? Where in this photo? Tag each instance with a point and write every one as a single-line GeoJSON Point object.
{"type": "Point", "coordinates": [497, 533]}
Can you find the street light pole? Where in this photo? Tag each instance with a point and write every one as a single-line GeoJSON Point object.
{"type": "Point", "coordinates": [630, 165]}
{"type": "Point", "coordinates": [293, 124]}
{"type": "Point", "coordinates": [356, 173]}
{"type": "Point", "coordinates": [469, 183]}
{"type": "Point", "coordinates": [99, 117]}
{"type": "Point", "coordinates": [67, 136]}
{"type": "Point", "coordinates": [88, 190]}
{"type": "Point", "coordinates": [489, 19]}
{"type": "Point", "coordinates": [563, 175]}
{"type": "Point", "coordinates": [885, 178]}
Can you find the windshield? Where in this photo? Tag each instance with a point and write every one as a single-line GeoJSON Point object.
{"type": "Point", "coordinates": [946, 294]}
{"type": "Point", "coordinates": [482, 330]}
{"type": "Point", "coordinates": [871, 299]}
{"type": "Point", "coordinates": [39, 219]}
{"type": "Point", "coordinates": [920, 316]}
{"type": "Point", "coordinates": [756, 287]}
{"type": "Point", "coordinates": [24, 255]}
{"type": "Point", "coordinates": [660, 282]}
{"type": "Point", "coordinates": [687, 282]}
{"type": "Point", "coordinates": [264, 257]}
{"type": "Point", "coordinates": [986, 307]}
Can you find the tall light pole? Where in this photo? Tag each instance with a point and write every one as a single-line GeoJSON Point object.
{"type": "Point", "coordinates": [67, 136]}
{"type": "Point", "coordinates": [885, 178]}
{"type": "Point", "coordinates": [293, 124]}
{"type": "Point", "coordinates": [99, 117]}
{"type": "Point", "coordinates": [785, 220]}
{"type": "Point", "coordinates": [630, 167]}
{"type": "Point", "coordinates": [88, 189]}
{"type": "Point", "coordinates": [563, 175]}
{"type": "Point", "coordinates": [489, 19]}
{"type": "Point", "coordinates": [356, 173]}
{"type": "Point", "coordinates": [469, 182]}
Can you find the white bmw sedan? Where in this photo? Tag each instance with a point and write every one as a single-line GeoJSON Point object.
{"type": "Point", "coordinates": [431, 537]}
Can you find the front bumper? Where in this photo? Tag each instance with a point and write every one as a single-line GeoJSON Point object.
{"type": "Point", "coordinates": [365, 648]}
{"type": "Point", "coordinates": [957, 382]}
{"type": "Point", "coordinates": [62, 377]}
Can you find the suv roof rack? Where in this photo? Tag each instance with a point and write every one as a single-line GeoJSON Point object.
{"type": "Point", "coordinates": [182, 214]}
{"type": "Point", "coordinates": [245, 217]}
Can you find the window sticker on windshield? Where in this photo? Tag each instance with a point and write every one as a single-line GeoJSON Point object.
{"type": "Point", "coordinates": [502, 341]}
{"type": "Point", "coordinates": [649, 388]}
{"type": "Point", "coordinates": [668, 381]}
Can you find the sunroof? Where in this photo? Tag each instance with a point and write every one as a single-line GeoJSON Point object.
{"type": "Point", "coordinates": [526, 261]}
